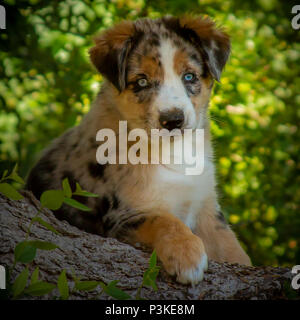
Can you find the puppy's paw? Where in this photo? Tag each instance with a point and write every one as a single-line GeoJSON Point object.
{"type": "Point", "coordinates": [193, 275]}
{"type": "Point", "coordinates": [185, 257]}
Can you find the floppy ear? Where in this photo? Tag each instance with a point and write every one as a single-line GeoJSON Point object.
{"type": "Point", "coordinates": [214, 42]}
{"type": "Point", "coordinates": [111, 51]}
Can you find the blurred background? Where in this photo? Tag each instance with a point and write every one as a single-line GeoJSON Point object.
{"type": "Point", "coordinates": [47, 84]}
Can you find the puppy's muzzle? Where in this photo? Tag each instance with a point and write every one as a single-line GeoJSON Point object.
{"type": "Point", "coordinates": [172, 119]}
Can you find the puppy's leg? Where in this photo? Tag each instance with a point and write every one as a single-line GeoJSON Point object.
{"type": "Point", "coordinates": [181, 252]}
{"type": "Point", "coordinates": [220, 242]}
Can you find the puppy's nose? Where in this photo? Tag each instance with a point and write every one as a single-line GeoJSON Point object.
{"type": "Point", "coordinates": [171, 119]}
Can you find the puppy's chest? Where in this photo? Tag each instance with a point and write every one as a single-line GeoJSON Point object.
{"type": "Point", "coordinates": [182, 194]}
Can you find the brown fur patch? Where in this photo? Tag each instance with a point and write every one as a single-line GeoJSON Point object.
{"type": "Point", "coordinates": [111, 52]}
{"type": "Point", "coordinates": [225, 246]}
{"type": "Point", "coordinates": [206, 30]}
{"type": "Point", "coordinates": [178, 248]}
{"type": "Point", "coordinates": [148, 65]}
{"type": "Point", "coordinates": [181, 61]}
{"type": "Point", "coordinates": [111, 39]}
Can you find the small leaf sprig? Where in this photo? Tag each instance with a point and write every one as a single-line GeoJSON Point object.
{"type": "Point", "coordinates": [7, 189]}
{"type": "Point", "coordinates": [25, 251]}
{"type": "Point", "coordinates": [150, 275]}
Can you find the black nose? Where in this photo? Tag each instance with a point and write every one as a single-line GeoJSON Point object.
{"type": "Point", "coordinates": [172, 119]}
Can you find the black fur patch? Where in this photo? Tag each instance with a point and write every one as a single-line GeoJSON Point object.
{"type": "Point", "coordinates": [115, 202]}
{"type": "Point", "coordinates": [134, 224]}
{"type": "Point", "coordinates": [80, 199]}
{"type": "Point", "coordinates": [108, 225]}
{"type": "Point", "coordinates": [39, 177]}
{"type": "Point", "coordinates": [93, 143]}
{"type": "Point", "coordinates": [114, 64]}
{"type": "Point", "coordinates": [83, 220]}
{"type": "Point", "coordinates": [102, 206]}
{"type": "Point", "coordinates": [96, 170]}
{"type": "Point", "coordinates": [221, 217]}
{"type": "Point", "coordinates": [129, 226]}
{"type": "Point", "coordinates": [145, 95]}
{"type": "Point", "coordinates": [74, 146]}
{"type": "Point", "coordinates": [154, 40]}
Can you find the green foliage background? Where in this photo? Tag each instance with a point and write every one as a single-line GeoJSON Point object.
{"type": "Point", "coordinates": [47, 84]}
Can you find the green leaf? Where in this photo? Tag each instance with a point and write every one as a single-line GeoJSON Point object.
{"type": "Point", "coordinates": [4, 175]}
{"type": "Point", "coordinates": [62, 284]}
{"type": "Point", "coordinates": [45, 224]}
{"type": "Point", "coordinates": [15, 169]}
{"type": "Point", "coordinates": [149, 278]}
{"type": "Point", "coordinates": [14, 175]}
{"type": "Point", "coordinates": [86, 285]}
{"type": "Point", "coordinates": [103, 285]}
{"type": "Point", "coordinates": [153, 259]}
{"type": "Point", "coordinates": [40, 288]}
{"type": "Point", "coordinates": [83, 193]}
{"type": "Point", "coordinates": [20, 283]}
{"type": "Point", "coordinates": [52, 199]}
{"type": "Point", "coordinates": [10, 192]}
{"type": "Point", "coordinates": [35, 276]}
{"type": "Point", "coordinates": [150, 275]}
{"type": "Point", "coordinates": [75, 278]}
{"type": "Point", "coordinates": [43, 245]}
{"type": "Point", "coordinates": [24, 252]}
{"type": "Point", "coordinates": [67, 188]}
{"type": "Point", "coordinates": [115, 292]}
{"type": "Point", "coordinates": [86, 194]}
{"type": "Point", "coordinates": [75, 204]}
{"type": "Point", "coordinates": [78, 188]}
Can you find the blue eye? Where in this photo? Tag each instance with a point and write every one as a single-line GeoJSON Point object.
{"type": "Point", "coordinates": [189, 77]}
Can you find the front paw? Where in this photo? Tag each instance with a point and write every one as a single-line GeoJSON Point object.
{"type": "Point", "coordinates": [184, 257]}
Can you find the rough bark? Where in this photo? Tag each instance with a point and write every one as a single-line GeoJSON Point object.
{"type": "Point", "coordinates": [93, 257]}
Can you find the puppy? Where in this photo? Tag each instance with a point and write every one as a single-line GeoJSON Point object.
{"type": "Point", "coordinates": [158, 75]}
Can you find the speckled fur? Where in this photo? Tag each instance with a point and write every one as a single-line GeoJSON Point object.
{"type": "Point", "coordinates": [140, 203]}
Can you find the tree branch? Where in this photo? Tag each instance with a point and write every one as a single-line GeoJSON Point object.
{"type": "Point", "coordinates": [93, 257]}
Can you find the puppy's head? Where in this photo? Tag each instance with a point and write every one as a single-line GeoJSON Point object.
{"type": "Point", "coordinates": [162, 70]}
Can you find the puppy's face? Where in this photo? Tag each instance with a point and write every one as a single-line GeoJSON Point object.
{"type": "Point", "coordinates": [162, 70]}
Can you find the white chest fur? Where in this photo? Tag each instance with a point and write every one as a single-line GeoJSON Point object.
{"type": "Point", "coordinates": [184, 194]}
